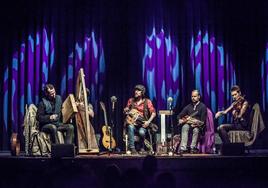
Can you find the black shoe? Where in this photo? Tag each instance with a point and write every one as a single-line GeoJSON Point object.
{"type": "Point", "coordinates": [194, 151]}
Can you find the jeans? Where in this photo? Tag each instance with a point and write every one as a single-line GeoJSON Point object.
{"type": "Point", "coordinates": [131, 131]}
{"type": "Point", "coordinates": [225, 128]}
{"type": "Point", "coordinates": [52, 130]}
{"type": "Point", "coordinates": [184, 136]}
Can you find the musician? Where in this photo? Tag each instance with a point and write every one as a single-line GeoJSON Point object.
{"type": "Point", "coordinates": [192, 117]}
{"type": "Point", "coordinates": [81, 106]}
{"type": "Point", "coordinates": [50, 117]}
{"type": "Point", "coordinates": [145, 108]}
{"type": "Point", "coordinates": [239, 109]}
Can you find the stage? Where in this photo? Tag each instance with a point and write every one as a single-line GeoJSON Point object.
{"type": "Point", "coordinates": [190, 170]}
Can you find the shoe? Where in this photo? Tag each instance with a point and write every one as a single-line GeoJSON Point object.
{"type": "Point", "coordinates": [142, 151]}
{"type": "Point", "coordinates": [133, 151]}
{"type": "Point", "coordinates": [194, 151]}
{"type": "Point", "coordinates": [183, 150]}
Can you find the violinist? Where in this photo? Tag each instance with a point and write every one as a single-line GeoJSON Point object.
{"type": "Point", "coordinates": [239, 109]}
{"type": "Point", "coordinates": [192, 118]}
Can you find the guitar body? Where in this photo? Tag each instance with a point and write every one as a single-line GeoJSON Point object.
{"type": "Point", "coordinates": [106, 142]}
{"type": "Point", "coordinates": [15, 144]}
{"type": "Point", "coordinates": [134, 117]}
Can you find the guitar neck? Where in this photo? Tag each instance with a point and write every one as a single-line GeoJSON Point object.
{"type": "Point", "coordinates": [104, 112]}
{"type": "Point", "coordinates": [105, 118]}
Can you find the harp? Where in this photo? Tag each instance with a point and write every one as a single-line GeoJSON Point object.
{"type": "Point", "coordinates": [85, 133]}
{"type": "Point", "coordinates": [69, 108]}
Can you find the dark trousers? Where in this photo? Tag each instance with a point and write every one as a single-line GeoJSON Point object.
{"type": "Point", "coordinates": [225, 128]}
{"type": "Point", "coordinates": [64, 128]}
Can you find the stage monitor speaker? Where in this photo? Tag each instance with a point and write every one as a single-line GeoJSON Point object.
{"type": "Point", "coordinates": [233, 149]}
{"type": "Point", "coordinates": [62, 150]}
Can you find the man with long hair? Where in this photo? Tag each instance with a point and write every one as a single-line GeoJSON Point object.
{"type": "Point", "coordinates": [144, 113]}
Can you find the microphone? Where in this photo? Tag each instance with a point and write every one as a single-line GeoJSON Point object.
{"type": "Point", "coordinates": [170, 101]}
{"type": "Point", "coordinates": [113, 100]}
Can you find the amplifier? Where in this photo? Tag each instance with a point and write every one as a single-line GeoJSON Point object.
{"type": "Point", "coordinates": [233, 149]}
{"type": "Point", "coordinates": [62, 150]}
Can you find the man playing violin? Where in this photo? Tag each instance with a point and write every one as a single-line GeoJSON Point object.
{"type": "Point", "coordinates": [192, 117]}
{"type": "Point", "coordinates": [239, 109]}
{"type": "Point", "coordinates": [142, 120]}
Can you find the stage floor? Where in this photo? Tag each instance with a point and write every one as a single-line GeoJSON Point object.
{"type": "Point", "coordinates": [198, 170]}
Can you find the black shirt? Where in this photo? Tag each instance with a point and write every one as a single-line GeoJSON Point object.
{"type": "Point", "coordinates": [43, 117]}
{"type": "Point", "coordinates": [189, 109]}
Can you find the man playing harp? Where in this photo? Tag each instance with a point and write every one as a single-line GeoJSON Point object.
{"type": "Point", "coordinates": [85, 132]}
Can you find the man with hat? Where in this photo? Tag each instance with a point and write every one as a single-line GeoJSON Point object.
{"type": "Point", "coordinates": [145, 113]}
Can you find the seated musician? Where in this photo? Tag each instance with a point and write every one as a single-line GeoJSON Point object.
{"type": "Point", "coordinates": [145, 110]}
{"type": "Point", "coordinates": [81, 106]}
{"type": "Point", "coordinates": [90, 112]}
{"type": "Point", "coordinates": [239, 109]}
{"type": "Point", "coordinates": [50, 117]}
{"type": "Point", "coordinates": [192, 117]}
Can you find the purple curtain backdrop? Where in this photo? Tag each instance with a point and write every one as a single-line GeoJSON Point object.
{"type": "Point", "coordinates": [32, 67]}
{"type": "Point", "coordinates": [170, 46]}
{"type": "Point", "coordinates": [264, 77]}
{"type": "Point", "coordinates": [211, 69]}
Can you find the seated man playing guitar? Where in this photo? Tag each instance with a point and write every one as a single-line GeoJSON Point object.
{"type": "Point", "coordinates": [239, 109]}
{"type": "Point", "coordinates": [140, 113]}
{"type": "Point", "coordinates": [193, 117]}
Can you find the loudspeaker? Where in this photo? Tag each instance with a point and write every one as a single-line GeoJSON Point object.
{"type": "Point", "coordinates": [233, 149]}
{"type": "Point", "coordinates": [62, 150]}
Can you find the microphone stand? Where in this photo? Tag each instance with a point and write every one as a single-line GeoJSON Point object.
{"type": "Point", "coordinates": [112, 126]}
{"type": "Point", "coordinates": [113, 100]}
{"type": "Point", "coordinates": [171, 152]}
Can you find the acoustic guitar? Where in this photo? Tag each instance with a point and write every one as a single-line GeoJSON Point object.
{"type": "Point", "coordinates": [108, 141]}
{"type": "Point", "coordinates": [14, 144]}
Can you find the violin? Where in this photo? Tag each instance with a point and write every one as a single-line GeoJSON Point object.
{"type": "Point", "coordinates": [237, 105]}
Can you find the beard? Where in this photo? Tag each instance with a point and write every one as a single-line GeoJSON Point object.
{"type": "Point", "coordinates": [137, 97]}
{"type": "Point", "coordinates": [51, 98]}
